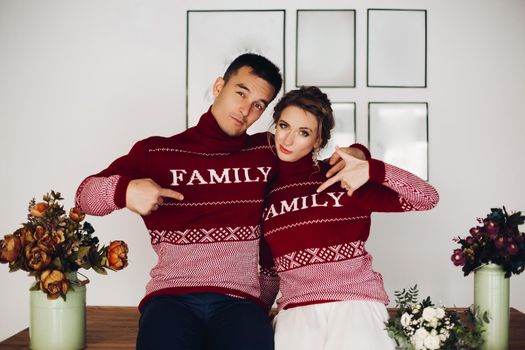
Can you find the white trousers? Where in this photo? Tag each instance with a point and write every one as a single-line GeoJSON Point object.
{"type": "Point", "coordinates": [341, 325]}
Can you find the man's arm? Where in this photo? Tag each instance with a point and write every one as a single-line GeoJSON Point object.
{"type": "Point", "coordinates": [122, 184]}
{"type": "Point", "coordinates": [96, 195]}
{"type": "Point", "coordinates": [144, 196]}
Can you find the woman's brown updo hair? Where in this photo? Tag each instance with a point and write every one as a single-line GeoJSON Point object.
{"type": "Point", "coordinates": [313, 100]}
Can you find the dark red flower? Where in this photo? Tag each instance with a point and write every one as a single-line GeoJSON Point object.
{"type": "Point", "coordinates": [458, 258]}
{"type": "Point", "coordinates": [513, 249]}
{"type": "Point", "coordinates": [492, 228]}
{"type": "Point", "coordinates": [474, 231]}
{"type": "Point", "coordinates": [499, 242]}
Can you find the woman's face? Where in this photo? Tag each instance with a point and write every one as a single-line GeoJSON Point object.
{"type": "Point", "coordinates": [296, 134]}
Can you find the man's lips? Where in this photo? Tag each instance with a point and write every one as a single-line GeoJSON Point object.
{"type": "Point", "coordinates": [284, 150]}
{"type": "Point", "coordinates": [237, 121]}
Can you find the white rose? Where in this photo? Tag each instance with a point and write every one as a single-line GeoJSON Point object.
{"type": "Point", "coordinates": [417, 343]}
{"type": "Point", "coordinates": [434, 323]}
{"type": "Point", "coordinates": [405, 319]}
{"type": "Point", "coordinates": [443, 337]}
{"type": "Point", "coordinates": [421, 333]}
{"type": "Point", "coordinates": [429, 313]}
{"type": "Point", "coordinates": [440, 313]}
{"type": "Point", "coordinates": [432, 342]}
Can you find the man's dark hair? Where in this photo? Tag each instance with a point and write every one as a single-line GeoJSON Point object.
{"type": "Point", "coordinates": [260, 66]}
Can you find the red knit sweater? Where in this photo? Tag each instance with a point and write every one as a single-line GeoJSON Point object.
{"type": "Point", "coordinates": [318, 240]}
{"type": "Point", "coordinates": [209, 242]}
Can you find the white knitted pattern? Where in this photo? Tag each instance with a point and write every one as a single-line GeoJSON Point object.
{"type": "Point", "coordinates": [199, 235]}
{"type": "Point", "coordinates": [96, 195]}
{"type": "Point", "coordinates": [351, 279]}
{"type": "Point", "coordinates": [321, 255]}
{"type": "Point", "coordinates": [280, 188]}
{"type": "Point", "coordinates": [165, 149]}
{"type": "Point", "coordinates": [168, 149]}
{"type": "Point", "coordinates": [195, 204]}
{"type": "Point", "coordinates": [231, 265]}
{"type": "Point", "coordinates": [256, 148]}
{"type": "Point", "coordinates": [415, 193]}
{"type": "Point", "coordinates": [315, 221]}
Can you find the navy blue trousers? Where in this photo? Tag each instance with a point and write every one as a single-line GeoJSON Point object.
{"type": "Point", "coordinates": [203, 321]}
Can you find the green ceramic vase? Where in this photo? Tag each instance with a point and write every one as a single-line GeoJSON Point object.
{"type": "Point", "coordinates": [491, 293]}
{"type": "Point", "coordinates": [58, 324]}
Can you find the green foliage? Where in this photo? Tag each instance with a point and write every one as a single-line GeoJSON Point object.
{"type": "Point", "coordinates": [405, 298]}
{"type": "Point", "coordinates": [413, 317]}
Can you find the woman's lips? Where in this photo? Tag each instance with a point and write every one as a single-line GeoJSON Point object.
{"type": "Point", "coordinates": [284, 150]}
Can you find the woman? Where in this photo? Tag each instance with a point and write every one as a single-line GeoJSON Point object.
{"type": "Point", "coordinates": [331, 298]}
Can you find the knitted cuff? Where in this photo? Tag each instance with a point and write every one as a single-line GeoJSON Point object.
{"type": "Point", "coordinates": [120, 191]}
{"type": "Point", "coordinates": [376, 170]}
{"type": "Point", "coordinates": [363, 149]}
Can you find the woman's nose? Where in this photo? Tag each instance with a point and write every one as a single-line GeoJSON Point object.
{"type": "Point", "coordinates": [288, 140]}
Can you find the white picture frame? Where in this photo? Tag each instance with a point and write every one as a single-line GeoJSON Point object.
{"type": "Point", "coordinates": [398, 135]}
{"type": "Point", "coordinates": [325, 48]}
{"type": "Point", "coordinates": [397, 48]}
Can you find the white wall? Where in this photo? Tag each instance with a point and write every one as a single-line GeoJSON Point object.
{"type": "Point", "coordinates": [81, 81]}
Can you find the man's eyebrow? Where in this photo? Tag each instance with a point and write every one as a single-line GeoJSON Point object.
{"type": "Point", "coordinates": [244, 87]}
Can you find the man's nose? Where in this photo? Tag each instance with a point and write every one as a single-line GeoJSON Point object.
{"type": "Point", "coordinates": [245, 108]}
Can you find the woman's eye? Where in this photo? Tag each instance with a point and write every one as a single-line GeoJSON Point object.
{"type": "Point", "coordinates": [282, 125]}
{"type": "Point", "coordinates": [304, 133]}
{"type": "Point", "coordinates": [240, 93]}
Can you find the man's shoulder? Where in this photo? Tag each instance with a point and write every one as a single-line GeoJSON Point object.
{"type": "Point", "coordinates": [260, 139]}
{"type": "Point", "coordinates": [159, 141]}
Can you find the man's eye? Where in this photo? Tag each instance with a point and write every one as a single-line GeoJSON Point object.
{"type": "Point", "coordinates": [240, 93]}
{"type": "Point", "coordinates": [259, 106]}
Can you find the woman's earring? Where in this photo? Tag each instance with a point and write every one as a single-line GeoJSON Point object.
{"type": "Point", "coordinates": [315, 155]}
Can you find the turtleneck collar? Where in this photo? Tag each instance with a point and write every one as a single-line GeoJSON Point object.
{"type": "Point", "coordinates": [303, 166]}
{"type": "Point", "coordinates": [214, 138]}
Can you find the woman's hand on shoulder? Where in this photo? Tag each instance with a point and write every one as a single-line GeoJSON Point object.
{"type": "Point", "coordinates": [352, 176]}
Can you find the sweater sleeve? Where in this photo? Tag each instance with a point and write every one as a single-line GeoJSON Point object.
{"type": "Point", "coordinates": [102, 193]}
{"type": "Point", "coordinates": [363, 149]}
{"type": "Point", "coordinates": [268, 277]}
{"type": "Point", "coordinates": [392, 189]}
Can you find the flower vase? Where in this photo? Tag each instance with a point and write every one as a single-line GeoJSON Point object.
{"type": "Point", "coordinates": [491, 294]}
{"type": "Point", "coordinates": [58, 324]}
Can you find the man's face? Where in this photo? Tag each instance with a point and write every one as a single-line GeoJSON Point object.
{"type": "Point", "coordinates": [240, 101]}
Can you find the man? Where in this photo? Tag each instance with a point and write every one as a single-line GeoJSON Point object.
{"type": "Point", "coordinates": [200, 194]}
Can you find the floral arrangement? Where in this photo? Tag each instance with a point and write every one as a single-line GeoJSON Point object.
{"type": "Point", "coordinates": [52, 244]}
{"type": "Point", "coordinates": [424, 326]}
{"type": "Point", "coordinates": [497, 239]}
